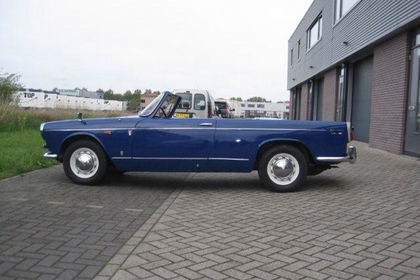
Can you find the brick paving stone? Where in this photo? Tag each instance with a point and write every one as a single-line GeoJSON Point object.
{"type": "Point", "coordinates": [357, 222]}
{"type": "Point", "coordinates": [46, 230]}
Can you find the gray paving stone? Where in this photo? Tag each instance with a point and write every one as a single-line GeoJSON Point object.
{"type": "Point", "coordinates": [41, 238]}
{"type": "Point", "coordinates": [357, 222]}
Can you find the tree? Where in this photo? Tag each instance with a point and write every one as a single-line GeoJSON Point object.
{"type": "Point", "coordinates": [99, 90]}
{"type": "Point", "coordinates": [109, 94]}
{"type": "Point", "coordinates": [258, 99]}
{"type": "Point", "coordinates": [137, 91]}
{"type": "Point", "coordinates": [236, 99]}
{"type": "Point", "coordinates": [128, 94]}
{"type": "Point", "coordinates": [9, 84]}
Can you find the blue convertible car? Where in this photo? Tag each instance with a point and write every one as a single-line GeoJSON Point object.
{"type": "Point", "coordinates": [283, 152]}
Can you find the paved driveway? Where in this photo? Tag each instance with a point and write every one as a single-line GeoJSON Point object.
{"type": "Point", "coordinates": [358, 222]}
{"type": "Point", "coordinates": [51, 228]}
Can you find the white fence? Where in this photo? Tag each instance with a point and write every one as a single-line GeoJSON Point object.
{"type": "Point", "coordinates": [27, 99]}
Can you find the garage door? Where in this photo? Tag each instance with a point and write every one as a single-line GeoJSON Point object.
{"type": "Point", "coordinates": [362, 88]}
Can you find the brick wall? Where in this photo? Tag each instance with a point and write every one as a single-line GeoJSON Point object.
{"type": "Point", "coordinates": [328, 100]}
{"type": "Point", "coordinates": [389, 94]}
{"type": "Point", "coordinates": [304, 102]}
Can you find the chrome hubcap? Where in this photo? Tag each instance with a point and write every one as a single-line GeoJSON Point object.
{"type": "Point", "coordinates": [283, 169]}
{"type": "Point", "coordinates": [84, 163]}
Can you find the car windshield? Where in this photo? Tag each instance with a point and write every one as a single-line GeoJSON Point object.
{"type": "Point", "coordinates": [221, 105]}
{"type": "Point", "coordinates": [167, 106]}
{"type": "Point", "coordinates": [151, 107]}
{"type": "Point", "coordinates": [186, 100]}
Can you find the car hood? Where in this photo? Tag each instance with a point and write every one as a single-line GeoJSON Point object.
{"type": "Point", "coordinates": [92, 123]}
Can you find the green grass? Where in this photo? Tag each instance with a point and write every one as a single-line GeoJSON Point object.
{"type": "Point", "coordinates": [22, 151]}
{"type": "Point", "coordinates": [21, 144]}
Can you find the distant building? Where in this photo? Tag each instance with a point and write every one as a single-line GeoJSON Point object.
{"type": "Point", "coordinates": [81, 93]}
{"type": "Point", "coordinates": [265, 109]}
{"type": "Point", "coordinates": [37, 98]}
{"type": "Point", "coordinates": [358, 61]}
{"type": "Point", "coordinates": [146, 99]}
{"type": "Point", "coordinates": [233, 104]}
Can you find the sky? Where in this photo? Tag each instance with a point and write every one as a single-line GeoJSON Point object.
{"type": "Point", "coordinates": [233, 48]}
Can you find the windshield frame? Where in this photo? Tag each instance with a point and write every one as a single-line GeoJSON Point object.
{"type": "Point", "coordinates": [152, 106]}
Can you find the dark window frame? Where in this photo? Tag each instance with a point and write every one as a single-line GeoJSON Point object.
{"type": "Point", "coordinates": [341, 93]}
{"type": "Point", "coordinates": [338, 7]}
{"type": "Point", "coordinates": [296, 99]}
{"type": "Point", "coordinates": [318, 20]}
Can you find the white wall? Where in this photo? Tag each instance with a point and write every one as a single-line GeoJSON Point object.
{"type": "Point", "coordinates": [266, 109]}
{"type": "Point", "coordinates": [56, 101]}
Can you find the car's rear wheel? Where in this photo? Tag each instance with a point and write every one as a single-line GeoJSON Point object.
{"type": "Point", "coordinates": [283, 168]}
{"type": "Point", "coordinates": [85, 162]}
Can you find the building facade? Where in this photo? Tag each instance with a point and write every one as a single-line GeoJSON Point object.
{"type": "Point", "coordinates": [146, 98]}
{"type": "Point", "coordinates": [278, 110]}
{"type": "Point", "coordinates": [358, 61]}
{"type": "Point", "coordinates": [36, 98]}
{"type": "Point", "coordinates": [81, 93]}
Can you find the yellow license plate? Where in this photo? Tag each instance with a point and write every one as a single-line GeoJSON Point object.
{"type": "Point", "coordinates": [182, 115]}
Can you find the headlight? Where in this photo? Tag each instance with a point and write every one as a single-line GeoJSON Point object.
{"type": "Point", "coordinates": [41, 127]}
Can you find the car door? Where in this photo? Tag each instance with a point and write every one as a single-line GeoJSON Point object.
{"type": "Point", "coordinates": [172, 144]}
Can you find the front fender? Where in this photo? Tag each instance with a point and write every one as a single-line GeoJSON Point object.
{"type": "Point", "coordinates": [79, 135]}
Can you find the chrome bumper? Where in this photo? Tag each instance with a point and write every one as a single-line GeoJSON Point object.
{"type": "Point", "coordinates": [48, 155]}
{"type": "Point", "coordinates": [351, 157]}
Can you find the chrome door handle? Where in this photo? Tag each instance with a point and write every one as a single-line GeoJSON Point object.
{"type": "Point", "coordinates": [206, 124]}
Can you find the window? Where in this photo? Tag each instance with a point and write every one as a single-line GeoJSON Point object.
{"type": "Point", "coordinates": [251, 105]}
{"type": "Point", "coordinates": [291, 57]}
{"type": "Point", "coordinates": [199, 101]}
{"type": "Point", "coordinates": [296, 103]}
{"type": "Point", "coordinates": [242, 105]}
{"type": "Point", "coordinates": [318, 86]}
{"type": "Point", "coordinates": [186, 100]}
{"type": "Point", "coordinates": [314, 33]}
{"type": "Point", "coordinates": [342, 7]}
{"type": "Point", "coordinates": [310, 100]}
{"type": "Point", "coordinates": [298, 49]}
{"type": "Point", "coordinates": [260, 105]}
{"type": "Point", "coordinates": [340, 108]}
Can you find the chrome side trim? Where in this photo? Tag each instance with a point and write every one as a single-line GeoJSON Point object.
{"type": "Point", "coordinates": [48, 155]}
{"type": "Point", "coordinates": [351, 157]}
{"type": "Point", "coordinates": [169, 158]}
{"type": "Point", "coordinates": [271, 129]}
{"type": "Point", "coordinates": [190, 128]}
{"type": "Point", "coordinates": [175, 128]}
{"type": "Point", "coordinates": [234, 159]}
{"type": "Point", "coordinates": [88, 129]}
{"type": "Point", "coordinates": [178, 158]}
{"type": "Point", "coordinates": [233, 128]}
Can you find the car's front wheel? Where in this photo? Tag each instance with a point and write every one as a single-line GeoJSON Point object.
{"type": "Point", "coordinates": [283, 168]}
{"type": "Point", "coordinates": [85, 162]}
